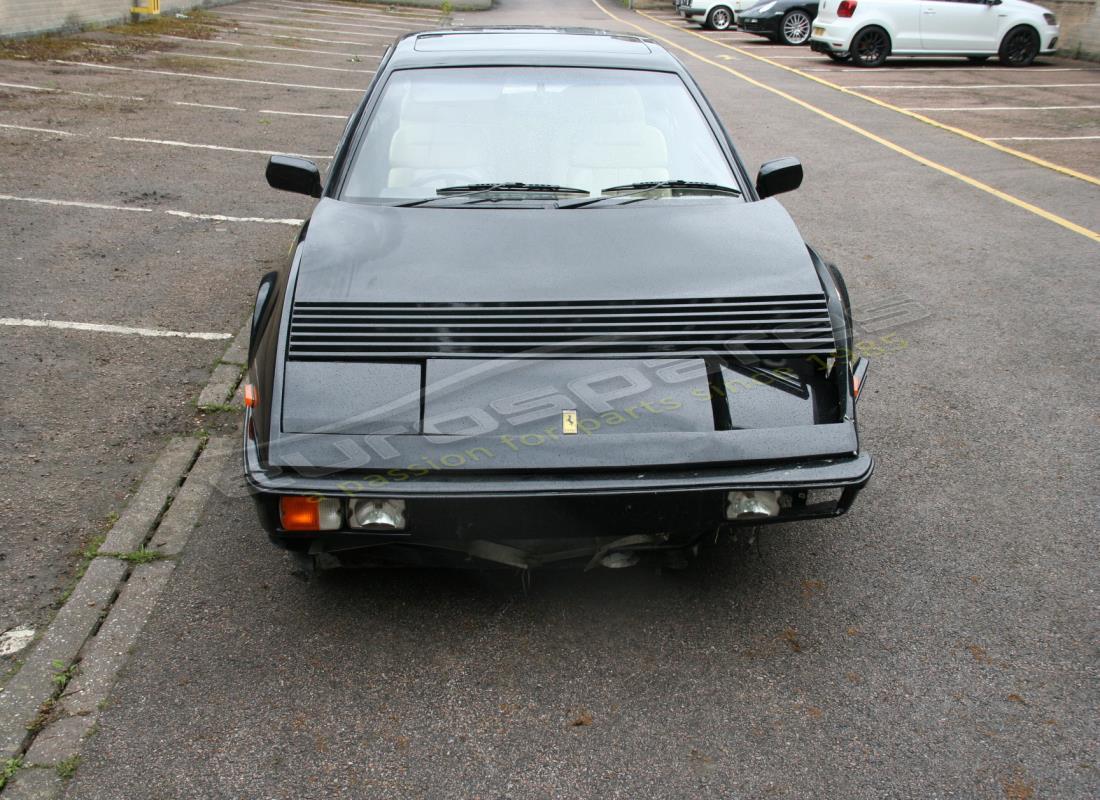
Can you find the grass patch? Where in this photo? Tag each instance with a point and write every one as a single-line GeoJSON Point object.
{"type": "Point", "coordinates": [141, 556]}
{"type": "Point", "coordinates": [139, 37]}
{"type": "Point", "coordinates": [63, 673]}
{"type": "Point", "coordinates": [67, 768]}
{"type": "Point", "coordinates": [44, 48]}
{"type": "Point", "coordinates": [8, 770]}
{"type": "Point", "coordinates": [197, 25]}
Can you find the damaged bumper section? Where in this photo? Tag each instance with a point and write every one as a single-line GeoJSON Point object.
{"type": "Point", "coordinates": [528, 520]}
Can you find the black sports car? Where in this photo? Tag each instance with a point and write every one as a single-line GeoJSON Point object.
{"type": "Point", "coordinates": [786, 21]}
{"type": "Point", "coordinates": [541, 314]}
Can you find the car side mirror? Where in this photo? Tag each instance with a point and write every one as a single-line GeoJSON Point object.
{"type": "Point", "coordinates": [778, 176]}
{"type": "Point", "coordinates": [294, 175]}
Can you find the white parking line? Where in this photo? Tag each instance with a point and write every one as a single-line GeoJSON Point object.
{"type": "Point", "coordinates": [387, 36]}
{"type": "Point", "coordinates": [1001, 108]}
{"type": "Point", "coordinates": [330, 9]}
{"type": "Point", "coordinates": [74, 203]}
{"type": "Point", "coordinates": [304, 23]}
{"type": "Point", "coordinates": [165, 142]}
{"type": "Point", "coordinates": [225, 218]}
{"type": "Point", "coordinates": [1041, 138]}
{"type": "Point", "coordinates": [968, 86]}
{"type": "Point", "coordinates": [383, 23]}
{"type": "Point", "coordinates": [176, 54]}
{"type": "Point", "coordinates": [36, 130]}
{"type": "Point", "coordinates": [249, 32]}
{"type": "Point", "coordinates": [903, 70]}
{"type": "Point", "coordinates": [69, 91]}
{"type": "Point", "coordinates": [169, 73]}
{"type": "Point", "coordinates": [338, 16]}
{"type": "Point", "coordinates": [173, 143]}
{"type": "Point", "coordinates": [353, 7]}
{"type": "Point", "coordinates": [207, 105]}
{"type": "Point", "coordinates": [224, 43]}
{"type": "Point", "coordinates": [139, 210]}
{"type": "Point", "coordinates": [124, 329]}
{"type": "Point", "coordinates": [301, 114]}
{"type": "Point", "coordinates": [183, 103]}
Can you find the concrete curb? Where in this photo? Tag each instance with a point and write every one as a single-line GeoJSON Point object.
{"type": "Point", "coordinates": [238, 351]}
{"type": "Point", "coordinates": [34, 784]}
{"type": "Point", "coordinates": [149, 501]}
{"type": "Point", "coordinates": [94, 631]}
{"type": "Point", "coordinates": [35, 684]}
{"type": "Point", "coordinates": [105, 652]}
{"type": "Point", "coordinates": [221, 386]}
{"type": "Point", "coordinates": [175, 528]}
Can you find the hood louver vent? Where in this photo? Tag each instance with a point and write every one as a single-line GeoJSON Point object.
{"type": "Point", "coordinates": [795, 325]}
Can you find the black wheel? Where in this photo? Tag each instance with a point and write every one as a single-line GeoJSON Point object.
{"type": "Point", "coordinates": [870, 47]}
{"type": "Point", "coordinates": [977, 59]}
{"type": "Point", "coordinates": [720, 18]}
{"type": "Point", "coordinates": [1020, 46]}
{"type": "Point", "coordinates": [795, 27]}
{"type": "Point", "coordinates": [839, 58]}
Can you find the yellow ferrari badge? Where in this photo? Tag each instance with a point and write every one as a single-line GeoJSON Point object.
{"type": "Point", "coordinates": [569, 421]}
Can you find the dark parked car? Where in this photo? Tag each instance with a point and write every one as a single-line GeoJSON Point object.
{"type": "Point", "coordinates": [541, 315]}
{"type": "Point", "coordinates": [786, 21]}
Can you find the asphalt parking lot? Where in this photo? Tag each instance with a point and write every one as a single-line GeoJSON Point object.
{"type": "Point", "coordinates": [939, 641]}
{"type": "Point", "coordinates": [153, 128]}
{"type": "Point", "coordinates": [1049, 110]}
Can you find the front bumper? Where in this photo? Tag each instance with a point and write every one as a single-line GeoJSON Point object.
{"type": "Point", "coordinates": [687, 12]}
{"type": "Point", "coordinates": [763, 26]}
{"type": "Point", "coordinates": [672, 506]}
{"type": "Point", "coordinates": [1049, 40]}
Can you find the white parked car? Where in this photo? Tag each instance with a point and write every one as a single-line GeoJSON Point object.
{"type": "Point", "coordinates": [868, 31]}
{"type": "Point", "coordinates": [717, 15]}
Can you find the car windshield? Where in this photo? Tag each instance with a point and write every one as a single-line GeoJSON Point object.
{"type": "Point", "coordinates": [581, 128]}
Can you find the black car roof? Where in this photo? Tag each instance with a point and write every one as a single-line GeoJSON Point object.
{"type": "Point", "coordinates": [534, 46]}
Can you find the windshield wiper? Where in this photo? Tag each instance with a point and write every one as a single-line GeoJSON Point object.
{"type": "Point", "coordinates": [630, 189]}
{"type": "Point", "coordinates": [464, 190]}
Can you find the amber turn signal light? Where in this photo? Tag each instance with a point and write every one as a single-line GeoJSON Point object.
{"type": "Point", "coordinates": [249, 395]}
{"type": "Point", "coordinates": [303, 513]}
{"type": "Point", "coordinates": [859, 376]}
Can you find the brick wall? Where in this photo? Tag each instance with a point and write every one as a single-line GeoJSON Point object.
{"type": "Point", "coordinates": [28, 17]}
{"type": "Point", "coordinates": [1080, 21]}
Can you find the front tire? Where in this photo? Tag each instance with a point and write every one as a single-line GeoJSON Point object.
{"type": "Point", "coordinates": [720, 18]}
{"type": "Point", "coordinates": [1019, 47]}
{"type": "Point", "coordinates": [794, 29]}
{"type": "Point", "coordinates": [870, 47]}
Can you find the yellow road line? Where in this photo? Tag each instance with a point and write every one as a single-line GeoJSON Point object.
{"type": "Point", "coordinates": [883, 104]}
{"type": "Point", "coordinates": [897, 148]}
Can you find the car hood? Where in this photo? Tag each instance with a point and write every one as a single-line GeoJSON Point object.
{"type": "Point", "coordinates": [362, 253]}
{"type": "Point", "coordinates": [414, 330]}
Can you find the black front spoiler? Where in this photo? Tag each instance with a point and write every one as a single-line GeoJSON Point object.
{"type": "Point", "coordinates": [542, 517]}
